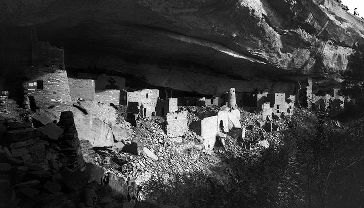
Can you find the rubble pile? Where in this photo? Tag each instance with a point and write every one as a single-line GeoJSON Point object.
{"type": "Point", "coordinates": [52, 161]}
{"type": "Point", "coordinates": [45, 167]}
{"type": "Point", "coordinates": [157, 158]}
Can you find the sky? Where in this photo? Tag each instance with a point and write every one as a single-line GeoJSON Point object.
{"type": "Point", "coordinates": [355, 4]}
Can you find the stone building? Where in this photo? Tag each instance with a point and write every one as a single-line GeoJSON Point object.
{"type": "Point", "coordinates": [177, 124]}
{"type": "Point", "coordinates": [46, 87]}
{"type": "Point", "coordinates": [290, 104]}
{"type": "Point", "coordinates": [103, 88]}
{"type": "Point", "coordinates": [267, 111]}
{"type": "Point", "coordinates": [215, 101]}
{"type": "Point", "coordinates": [147, 100]}
{"type": "Point", "coordinates": [334, 101]}
{"type": "Point", "coordinates": [277, 104]}
{"type": "Point", "coordinates": [212, 126]}
{"type": "Point", "coordinates": [166, 106]}
{"type": "Point", "coordinates": [46, 80]}
{"type": "Point", "coordinates": [261, 98]}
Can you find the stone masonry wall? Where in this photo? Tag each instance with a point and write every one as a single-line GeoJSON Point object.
{"type": "Point", "coordinates": [82, 88]}
{"type": "Point", "coordinates": [108, 96]}
{"type": "Point", "coordinates": [209, 131]}
{"type": "Point", "coordinates": [267, 111]}
{"type": "Point", "coordinates": [55, 86]}
{"type": "Point", "coordinates": [261, 98]}
{"type": "Point", "coordinates": [147, 98]}
{"type": "Point", "coordinates": [166, 106]}
{"type": "Point", "coordinates": [177, 124]}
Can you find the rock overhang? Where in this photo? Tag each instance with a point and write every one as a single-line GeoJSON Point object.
{"type": "Point", "coordinates": [243, 40]}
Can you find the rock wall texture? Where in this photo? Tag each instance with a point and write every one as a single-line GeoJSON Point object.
{"type": "Point", "coordinates": [242, 40]}
{"type": "Point", "coordinates": [55, 86]}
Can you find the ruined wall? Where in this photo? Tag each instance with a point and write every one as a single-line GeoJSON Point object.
{"type": "Point", "coordinates": [55, 87]}
{"type": "Point", "coordinates": [166, 106]}
{"type": "Point", "coordinates": [209, 131]}
{"type": "Point", "coordinates": [327, 101]}
{"type": "Point", "coordinates": [108, 96]}
{"type": "Point", "coordinates": [82, 88]}
{"type": "Point", "coordinates": [147, 98]}
{"type": "Point", "coordinates": [209, 127]}
{"type": "Point", "coordinates": [46, 80]}
{"type": "Point", "coordinates": [267, 111]}
{"type": "Point", "coordinates": [212, 101]}
{"type": "Point", "coordinates": [223, 121]}
{"type": "Point", "coordinates": [291, 100]}
{"type": "Point", "coordinates": [177, 124]}
{"type": "Point", "coordinates": [172, 105]}
{"type": "Point", "coordinates": [278, 103]}
{"type": "Point", "coordinates": [261, 98]}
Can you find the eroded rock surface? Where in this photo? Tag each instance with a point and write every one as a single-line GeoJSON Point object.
{"type": "Point", "coordinates": [250, 41]}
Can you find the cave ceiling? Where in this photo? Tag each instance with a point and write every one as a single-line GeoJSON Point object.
{"type": "Point", "coordinates": [235, 39]}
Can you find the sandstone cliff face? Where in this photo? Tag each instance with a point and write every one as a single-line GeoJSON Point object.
{"type": "Point", "coordinates": [243, 40]}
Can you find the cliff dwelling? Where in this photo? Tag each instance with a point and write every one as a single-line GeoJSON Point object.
{"type": "Point", "coordinates": [178, 104]}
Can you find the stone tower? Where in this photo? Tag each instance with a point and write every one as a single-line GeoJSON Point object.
{"type": "Point", "coordinates": [232, 98]}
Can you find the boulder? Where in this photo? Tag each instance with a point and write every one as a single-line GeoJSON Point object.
{"type": "Point", "coordinates": [120, 134]}
{"type": "Point", "coordinates": [264, 144]}
{"type": "Point", "coordinates": [94, 130]}
{"type": "Point", "coordinates": [118, 185]}
{"type": "Point", "coordinates": [149, 154]}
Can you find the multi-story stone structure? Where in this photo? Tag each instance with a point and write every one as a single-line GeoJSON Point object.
{"type": "Point", "coordinates": [166, 106]}
{"type": "Point", "coordinates": [146, 99]}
